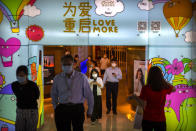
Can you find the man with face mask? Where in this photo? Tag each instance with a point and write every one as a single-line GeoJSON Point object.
{"type": "Point", "coordinates": [26, 93]}
{"type": "Point", "coordinates": [69, 91]}
{"type": "Point", "coordinates": [111, 79]}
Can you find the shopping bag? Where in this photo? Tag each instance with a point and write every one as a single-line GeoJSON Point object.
{"type": "Point", "coordinates": [138, 118]}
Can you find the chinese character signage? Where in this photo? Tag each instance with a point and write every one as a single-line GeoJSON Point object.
{"type": "Point", "coordinates": [86, 24]}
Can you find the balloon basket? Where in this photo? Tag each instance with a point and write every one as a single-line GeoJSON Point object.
{"type": "Point", "coordinates": [15, 30]}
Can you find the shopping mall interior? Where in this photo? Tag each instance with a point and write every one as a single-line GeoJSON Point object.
{"type": "Point", "coordinates": [140, 34]}
{"type": "Point", "coordinates": [126, 109]}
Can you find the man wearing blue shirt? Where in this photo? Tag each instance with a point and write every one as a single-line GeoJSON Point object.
{"type": "Point", "coordinates": [69, 91]}
{"type": "Point", "coordinates": [111, 79]}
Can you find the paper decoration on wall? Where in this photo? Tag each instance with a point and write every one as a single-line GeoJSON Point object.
{"type": "Point", "coordinates": [176, 68]}
{"type": "Point", "coordinates": [2, 80]}
{"type": "Point", "coordinates": [109, 7]}
{"type": "Point", "coordinates": [8, 110]}
{"type": "Point", "coordinates": [13, 10]}
{"type": "Point", "coordinates": [41, 88]}
{"type": "Point", "coordinates": [7, 50]}
{"type": "Point", "coordinates": [171, 119]}
{"type": "Point", "coordinates": [34, 33]}
{"type": "Point", "coordinates": [31, 11]}
{"type": "Point", "coordinates": [1, 16]}
{"type": "Point", "coordinates": [182, 92]}
{"type": "Point", "coordinates": [33, 68]}
{"type": "Point", "coordinates": [7, 90]}
{"type": "Point", "coordinates": [149, 4]}
{"type": "Point", "coordinates": [145, 5]}
{"type": "Point", "coordinates": [187, 115]}
{"type": "Point", "coordinates": [190, 37]}
{"type": "Point", "coordinates": [158, 1]}
{"type": "Point", "coordinates": [180, 106]}
{"type": "Point", "coordinates": [178, 14]}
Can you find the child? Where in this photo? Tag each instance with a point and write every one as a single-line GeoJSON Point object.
{"type": "Point", "coordinates": [96, 84]}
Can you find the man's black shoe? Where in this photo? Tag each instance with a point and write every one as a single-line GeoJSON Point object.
{"type": "Point", "coordinates": [115, 113]}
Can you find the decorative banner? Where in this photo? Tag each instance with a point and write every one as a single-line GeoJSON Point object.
{"type": "Point", "coordinates": [13, 10]}
{"type": "Point", "coordinates": [2, 80]}
{"type": "Point", "coordinates": [34, 33]}
{"type": "Point", "coordinates": [178, 14]}
{"type": "Point", "coordinates": [7, 50]}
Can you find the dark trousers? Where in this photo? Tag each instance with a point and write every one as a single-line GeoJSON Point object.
{"type": "Point", "coordinates": [151, 125]}
{"type": "Point", "coordinates": [111, 90]}
{"type": "Point", "coordinates": [69, 114]}
{"type": "Point", "coordinates": [97, 110]}
{"type": "Point", "coordinates": [26, 119]}
{"type": "Point", "coordinates": [102, 72]}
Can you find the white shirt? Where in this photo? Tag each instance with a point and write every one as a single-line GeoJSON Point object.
{"type": "Point", "coordinates": [99, 80]}
{"type": "Point", "coordinates": [104, 63]}
{"type": "Point", "coordinates": [108, 76]}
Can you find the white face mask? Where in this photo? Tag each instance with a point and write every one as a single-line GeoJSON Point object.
{"type": "Point", "coordinates": [21, 79]}
{"type": "Point", "coordinates": [94, 75]}
{"type": "Point", "coordinates": [67, 69]}
{"type": "Point", "coordinates": [113, 64]}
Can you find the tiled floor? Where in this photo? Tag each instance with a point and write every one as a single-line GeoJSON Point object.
{"type": "Point", "coordinates": [109, 122]}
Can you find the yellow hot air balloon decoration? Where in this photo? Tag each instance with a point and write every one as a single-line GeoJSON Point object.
{"type": "Point", "coordinates": [13, 10]}
{"type": "Point", "coordinates": [178, 13]}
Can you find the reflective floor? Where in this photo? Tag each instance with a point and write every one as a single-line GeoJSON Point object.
{"type": "Point", "coordinates": [121, 122]}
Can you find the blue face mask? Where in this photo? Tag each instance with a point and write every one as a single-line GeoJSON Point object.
{"type": "Point", "coordinates": [21, 79]}
{"type": "Point", "coordinates": [67, 69]}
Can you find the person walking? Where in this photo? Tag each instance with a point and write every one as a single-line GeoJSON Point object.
{"type": "Point", "coordinates": [94, 66]}
{"type": "Point", "coordinates": [152, 99]}
{"type": "Point", "coordinates": [96, 85]}
{"type": "Point", "coordinates": [104, 62]}
{"type": "Point", "coordinates": [111, 79]}
{"type": "Point", "coordinates": [69, 91]}
{"type": "Point", "coordinates": [27, 93]}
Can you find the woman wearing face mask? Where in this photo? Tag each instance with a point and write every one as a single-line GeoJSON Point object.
{"type": "Point", "coordinates": [94, 66]}
{"type": "Point", "coordinates": [27, 93]}
{"type": "Point", "coordinates": [96, 84]}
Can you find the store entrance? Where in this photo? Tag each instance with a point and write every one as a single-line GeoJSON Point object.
{"type": "Point", "coordinates": [125, 56]}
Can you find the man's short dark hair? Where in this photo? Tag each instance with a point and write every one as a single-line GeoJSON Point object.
{"type": "Point", "coordinates": [66, 57]}
{"type": "Point", "coordinates": [114, 60]}
{"type": "Point", "coordinates": [23, 69]}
